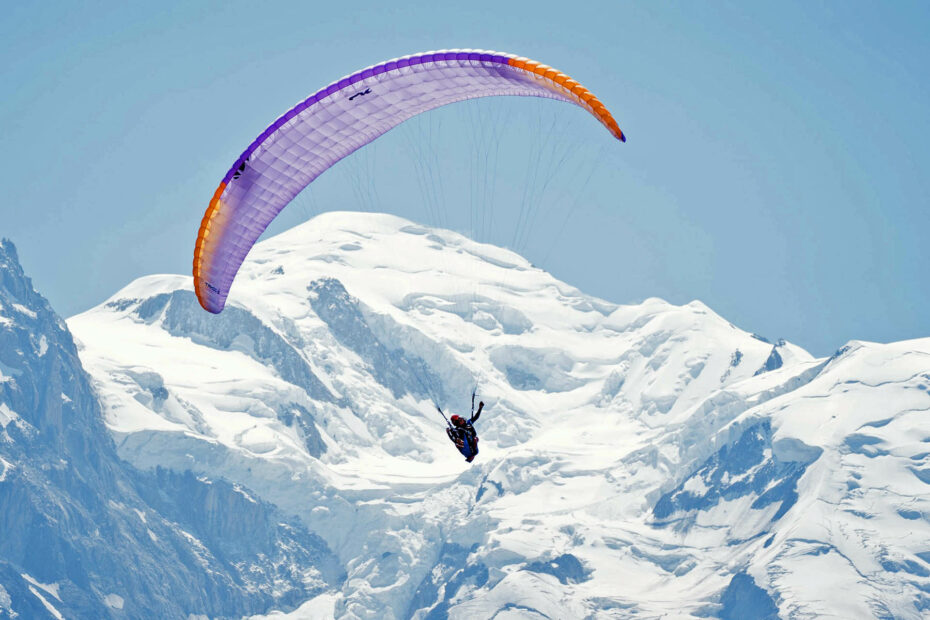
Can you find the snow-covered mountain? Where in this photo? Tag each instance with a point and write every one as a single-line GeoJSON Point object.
{"type": "Point", "coordinates": [85, 535]}
{"type": "Point", "coordinates": [641, 460]}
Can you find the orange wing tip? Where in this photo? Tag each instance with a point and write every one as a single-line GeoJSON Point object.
{"type": "Point", "coordinates": [582, 95]}
{"type": "Point", "coordinates": [203, 233]}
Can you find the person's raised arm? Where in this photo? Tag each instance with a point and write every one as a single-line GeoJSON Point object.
{"type": "Point", "coordinates": [478, 412]}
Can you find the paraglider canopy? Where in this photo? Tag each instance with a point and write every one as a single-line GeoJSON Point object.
{"type": "Point", "coordinates": [338, 120]}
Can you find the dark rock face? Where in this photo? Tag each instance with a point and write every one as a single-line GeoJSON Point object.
{"type": "Point", "coordinates": [103, 538]}
{"type": "Point", "coordinates": [773, 362]}
{"type": "Point", "coordinates": [391, 366]}
{"type": "Point", "coordinates": [237, 329]}
{"type": "Point", "coordinates": [566, 568]}
{"type": "Point", "coordinates": [743, 468]}
{"type": "Point", "coordinates": [743, 599]}
{"type": "Point", "coordinates": [295, 414]}
{"type": "Point", "coordinates": [451, 573]}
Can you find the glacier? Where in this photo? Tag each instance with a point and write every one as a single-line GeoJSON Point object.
{"type": "Point", "coordinates": [642, 460]}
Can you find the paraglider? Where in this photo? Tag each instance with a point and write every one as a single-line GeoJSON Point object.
{"type": "Point", "coordinates": [340, 119]}
{"type": "Point", "coordinates": [462, 432]}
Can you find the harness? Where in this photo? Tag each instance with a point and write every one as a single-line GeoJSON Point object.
{"type": "Point", "coordinates": [465, 438]}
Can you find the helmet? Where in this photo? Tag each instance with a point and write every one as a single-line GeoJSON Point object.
{"type": "Point", "coordinates": [456, 419]}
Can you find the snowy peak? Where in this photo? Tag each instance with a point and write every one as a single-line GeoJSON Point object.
{"type": "Point", "coordinates": [42, 385]}
{"type": "Point", "coordinates": [649, 458]}
{"type": "Point", "coordinates": [366, 299]}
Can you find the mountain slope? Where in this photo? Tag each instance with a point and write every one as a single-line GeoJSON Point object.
{"type": "Point", "coordinates": [635, 460]}
{"type": "Point", "coordinates": [86, 535]}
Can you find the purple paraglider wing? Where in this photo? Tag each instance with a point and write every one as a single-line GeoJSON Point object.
{"type": "Point", "coordinates": [340, 119]}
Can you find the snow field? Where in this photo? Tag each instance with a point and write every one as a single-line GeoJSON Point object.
{"type": "Point", "coordinates": [634, 459]}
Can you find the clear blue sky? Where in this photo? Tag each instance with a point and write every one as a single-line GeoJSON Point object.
{"type": "Point", "coordinates": [776, 167]}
